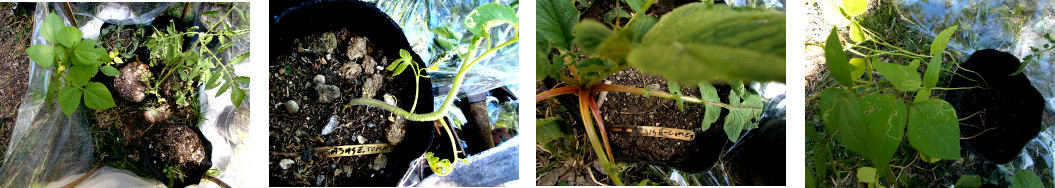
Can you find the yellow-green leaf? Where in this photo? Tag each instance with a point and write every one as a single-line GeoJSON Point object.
{"type": "Point", "coordinates": [69, 99]}
{"type": "Point", "coordinates": [96, 96]}
{"type": "Point", "coordinates": [43, 55]}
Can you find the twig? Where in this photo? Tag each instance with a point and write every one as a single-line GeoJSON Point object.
{"type": "Point", "coordinates": [69, 12]}
{"type": "Point", "coordinates": [594, 178]}
{"type": "Point", "coordinates": [83, 177]}
{"type": "Point", "coordinates": [217, 181]}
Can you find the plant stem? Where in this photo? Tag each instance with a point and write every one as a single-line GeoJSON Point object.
{"type": "Point", "coordinates": [587, 122]}
{"type": "Point", "coordinates": [556, 92]}
{"type": "Point", "coordinates": [600, 124]}
{"type": "Point", "coordinates": [640, 91]}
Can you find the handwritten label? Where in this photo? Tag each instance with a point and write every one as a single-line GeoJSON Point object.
{"type": "Point", "coordinates": [354, 150]}
{"type": "Point", "coordinates": [661, 132]}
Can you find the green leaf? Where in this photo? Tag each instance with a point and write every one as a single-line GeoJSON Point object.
{"type": "Point", "coordinates": [544, 68]}
{"type": "Point", "coordinates": [237, 96]}
{"type": "Point", "coordinates": [822, 155]}
{"type": "Point", "coordinates": [969, 181]}
{"type": "Point", "coordinates": [835, 59]}
{"type": "Point", "coordinates": [213, 14]}
{"type": "Point", "coordinates": [696, 43]}
{"type": "Point", "coordinates": [934, 130]}
{"type": "Point", "coordinates": [85, 53]}
{"type": "Point", "coordinates": [68, 36]}
{"type": "Point", "coordinates": [79, 75]}
{"type": "Point", "coordinates": [879, 139]}
{"type": "Point", "coordinates": [49, 29]}
{"type": "Point", "coordinates": [1025, 178]}
{"type": "Point", "coordinates": [489, 15]}
{"type": "Point", "coordinates": [589, 34]}
{"type": "Point", "coordinates": [215, 75]}
{"type": "Point", "coordinates": [615, 14]}
{"type": "Point", "coordinates": [673, 87]}
{"type": "Point", "coordinates": [109, 70]}
{"type": "Point", "coordinates": [856, 33]}
{"type": "Point", "coordinates": [402, 66]}
{"type": "Point", "coordinates": [839, 109]}
{"type": "Point", "coordinates": [711, 112]}
{"type": "Point", "coordinates": [43, 55]}
{"type": "Point", "coordinates": [833, 13]}
{"type": "Point", "coordinates": [739, 118]}
{"type": "Point", "coordinates": [549, 129]}
{"type": "Point", "coordinates": [96, 96]}
{"type": "Point", "coordinates": [444, 32]}
{"type": "Point", "coordinates": [854, 8]}
{"type": "Point", "coordinates": [69, 99]}
{"type": "Point", "coordinates": [616, 47]}
{"type": "Point", "coordinates": [555, 19]}
{"type": "Point", "coordinates": [238, 59]}
{"type": "Point", "coordinates": [904, 78]}
{"type": "Point", "coordinates": [857, 67]}
{"type": "Point", "coordinates": [242, 79]}
{"type": "Point", "coordinates": [640, 27]}
{"type": "Point", "coordinates": [937, 49]}
{"type": "Point", "coordinates": [223, 88]}
{"type": "Point", "coordinates": [866, 174]}
{"type": "Point", "coordinates": [639, 6]}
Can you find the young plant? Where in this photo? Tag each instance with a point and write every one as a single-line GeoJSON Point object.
{"type": "Point", "coordinates": [696, 43]}
{"type": "Point", "coordinates": [197, 67]}
{"type": "Point", "coordinates": [872, 116]}
{"type": "Point", "coordinates": [478, 22]}
{"type": "Point", "coordinates": [77, 61]}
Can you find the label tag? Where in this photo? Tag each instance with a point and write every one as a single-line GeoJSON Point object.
{"type": "Point", "coordinates": [650, 131]}
{"type": "Point", "coordinates": [354, 150]}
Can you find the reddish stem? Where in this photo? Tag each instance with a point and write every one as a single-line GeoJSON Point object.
{"type": "Point", "coordinates": [600, 124]}
{"type": "Point", "coordinates": [556, 92]}
{"type": "Point", "coordinates": [640, 91]}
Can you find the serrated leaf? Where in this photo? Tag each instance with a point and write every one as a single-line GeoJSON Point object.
{"type": "Point", "coordinates": [934, 130]}
{"type": "Point", "coordinates": [49, 29]}
{"type": "Point", "coordinates": [969, 181]}
{"type": "Point", "coordinates": [1025, 178]}
{"type": "Point", "coordinates": [69, 99]}
{"type": "Point", "coordinates": [866, 174]}
{"type": "Point", "coordinates": [213, 14]}
{"type": "Point", "coordinates": [237, 96]}
{"type": "Point", "coordinates": [878, 138]}
{"type": "Point", "coordinates": [739, 117]}
{"type": "Point", "coordinates": [904, 78]}
{"type": "Point", "coordinates": [239, 59]}
{"type": "Point", "coordinates": [43, 55]}
{"type": "Point", "coordinates": [109, 70]}
{"type": "Point", "coordinates": [854, 8]}
{"type": "Point", "coordinates": [695, 43]}
{"type": "Point", "coordinates": [640, 27]}
{"type": "Point", "coordinates": [589, 34]}
{"type": "Point", "coordinates": [555, 19]}
{"type": "Point", "coordinates": [489, 15]}
{"type": "Point", "coordinates": [212, 83]}
{"type": "Point", "coordinates": [639, 6]}
{"type": "Point", "coordinates": [836, 61]}
{"type": "Point", "coordinates": [79, 75]}
{"type": "Point", "coordinates": [711, 112]}
{"type": "Point", "coordinates": [223, 88]}
{"type": "Point", "coordinates": [96, 96]}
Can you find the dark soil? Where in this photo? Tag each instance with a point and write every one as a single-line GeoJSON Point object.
{"type": "Point", "coordinates": [180, 148]}
{"type": "Point", "coordinates": [15, 28]}
{"type": "Point", "coordinates": [1009, 108]}
{"type": "Point", "coordinates": [291, 76]}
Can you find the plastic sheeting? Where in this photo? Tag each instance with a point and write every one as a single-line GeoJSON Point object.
{"type": "Point", "coordinates": [487, 169]}
{"type": "Point", "coordinates": [47, 148]}
{"type": "Point", "coordinates": [1006, 25]}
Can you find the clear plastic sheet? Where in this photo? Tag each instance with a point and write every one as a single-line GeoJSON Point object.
{"type": "Point", "coordinates": [493, 167]}
{"type": "Point", "coordinates": [1006, 25]}
{"type": "Point", "coordinates": [46, 146]}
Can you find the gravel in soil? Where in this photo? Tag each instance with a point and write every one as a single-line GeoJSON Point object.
{"type": "Point", "coordinates": [343, 78]}
{"type": "Point", "coordinates": [15, 28]}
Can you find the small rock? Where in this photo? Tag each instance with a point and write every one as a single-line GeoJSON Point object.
{"type": "Point", "coordinates": [157, 114]}
{"type": "Point", "coordinates": [356, 47]}
{"type": "Point", "coordinates": [396, 131]}
{"type": "Point", "coordinates": [371, 125]}
{"type": "Point", "coordinates": [292, 107]}
{"type": "Point", "coordinates": [319, 79]}
{"type": "Point", "coordinates": [350, 70]}
{"type": "Point", "coordinates": [362, 140]}
{"type": "Point", "coordinates": [372, 85]}
{"type": "Point", "coordinates": [285, 163]}
{"type": "Point", "coordinates": [379, 162]}
{"type": "Point", "coordinates": [325, 43]}
{"type": "Point", "coordinates": [347, 170]}
{"type": "Point", "coordinates": [369, 64]}
{"type": "Point", "coordinates": [319, 179]}
{"type": "Point", "coordinates": [330, 126]}
{"type": "Point", "coordinates": [327, 93]}
{"type": "Point", "coordinates": [127, 83]}
{"type": "Point", "coordinates": [329, 56]}
{"type": "Point", "coordinates": [390, 99]}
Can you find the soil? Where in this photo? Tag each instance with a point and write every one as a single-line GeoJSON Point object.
{"type": "Point", "coordinates": [16, 26]}
{"type": "Point", "coordinates": [181, 148]}
{"type": "Point", "coordinates": [1010, 108]}
{"type": "Point", "coordinates": [292, 77]}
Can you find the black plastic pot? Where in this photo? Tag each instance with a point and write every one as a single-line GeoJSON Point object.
{"type": "Point", "coordinates": [162, 151]}
{"type": "Point", "coordinates": [1010, 108]}
{"type": "Point", "coordinates": [362, 19]}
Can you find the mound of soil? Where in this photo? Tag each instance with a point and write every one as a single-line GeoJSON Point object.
{"type": "Point", "coordinates": [178, 148]}
{"type": "Point", "coordinates": [1008, 108]}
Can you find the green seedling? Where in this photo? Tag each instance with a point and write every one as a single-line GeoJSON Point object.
{"type": "Point", "coordinates": [76, 61]}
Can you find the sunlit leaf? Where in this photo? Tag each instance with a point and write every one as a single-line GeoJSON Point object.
{"type": "Point", "coordinates": [904, 78]}
{"type": "Point", "coordinates": [554, 21]}
{"type": "Point", "coordinates": [933, 129]}
{"type": "Point", "coordinates": [489, 15]}
{"type": "Point", "coordinates": [43, 55]}
{"type": "Point", "coordinates": [589, 34]}
{"type": "Point", "coordinates": [69, 99]}
{"type": "Point", "coordinates": [96, 96]}
{"type": "Point", "coordinates": [711, 112]}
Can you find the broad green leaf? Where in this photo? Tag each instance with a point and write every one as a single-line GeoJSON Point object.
{"type": "Point", "coordinates": [934, 130]}
{"type": "Point", "coordinates": [69, 99]}
{"type": "Point", "coordinates": [639, 6]}
{"type": "Point", "coordinates": [49, 29]}
{"type": "Point", "coordinates": [85, 53]}
{"type": "Point", "coordinates": [696, 63]}
{"type": "Point", "coordinates": [839, 109]}
{"type": "Point", "coordinates": [857, 68]}
{"type": "Point", "coordinates": [854, 8]}
{"type": "Point", "coordinates": [489, 15]}
{"type": "Point", "coordinates": [237, 96]}
{"type": "Point", "coordinates": [885, 116]}
{"type": "Point", "coordinates": [109, 70]}
{"type": "Point", "coordinates": [79, 75]}
{"type": "Point", "coordinates": [810, 183]}
{"type": "Point", "coordinates": [711, 112]}
{"type": "Point", "coordinates": [68, 36]}
{"type": "Point", "coordinates": [615, 14]}
{"type": "Point", "coordinates": [1025, 178]}
{"type": "Point", "coordinates": [549, 129]}
{"type": "Point", "coordinates": [739, 117]}
{"type": "Point", "coordinates": [866, 174]}
{"type": "Point", "coordinates": [674, 89]}
{"type": "Point", "coordinates": [937, 49]}
{"type": "Point", "coordinates": [444, 32]}
{"type": "Point", "coordinates": [641, 26]}
{"type": "Point", "coordinates": [554, 21]}
{"type": "Point", "coordinates": [822, 155]}
{"type": "Point", "coordinates": [833, 13]}
{"type": "Point", "coordinates": [61, 53]}
{"type": "Point", "coordinates": [545, 68]}
{"type": "Point", "coordinates": [969, 181]}
{"type": "Point", "coordinates": [616, 47]}
{"type": "Point", "coordinates": [43, 55]}
{"type": "Point", "coordinates": [541, 43]}
{"type": "Point", "coordinates": [857, 34]}
{"type": "Point", "coordinates": [238, 59]}
{"type": "Point", "coordinates": [96, 96]}
{"type": "Point", "coordinates": [904, 78]}
{"type": "Point", "coordinates": [402, 66]}
{"type": "Point", "coordinates": [589, 34]}
{"type": "Point", "coordinates": [594, 67]}
{"type": "Point", "coordinates": [242, 80]}
{"type": "Point", "coordinates": [836, 61]}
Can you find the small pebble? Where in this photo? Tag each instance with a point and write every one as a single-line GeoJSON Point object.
{"type": "Point", "coordinates": [371, 86]}
{"type": "Point", "coordinates": [330, 126]}
{"type": "Point", "coordinates": [362, 140]}
{"type": "Point", "coordinates": [327, 93]}
{"type": "Point", "coordinates": [319, 180]}
{"type": "Point", "coordinates": [379, 162]}
{"type": "Point", "coordinates": [285, 163]}
{"type": "Point", "coordinates": [292, 107]}
{"type": "Point", "coordinates": [320, 79]}
{"type": "Point", "coordinates": [371, 125]}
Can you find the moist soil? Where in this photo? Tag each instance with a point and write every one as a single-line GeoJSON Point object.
{"type": "Point", "coordinates": [16, 26]}
{"type": "Point", "coordinates": [292, 75]}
